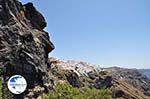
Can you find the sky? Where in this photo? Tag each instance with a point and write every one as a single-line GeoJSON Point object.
{"type": "Point", "coordinates": [104, 32]}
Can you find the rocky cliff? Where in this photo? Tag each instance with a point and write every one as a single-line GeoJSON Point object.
{"type": "Point", "coordinates": [24, 45]}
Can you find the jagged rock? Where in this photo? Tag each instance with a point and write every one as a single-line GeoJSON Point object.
{"type": "Point", "coordinates": [24, 45]}
{"type": "Point", "coordinates": [103, 82]}
{"type": "Point", "coordinates": [73, 79]}
{"type": "Point", "coordinates": [37, 20]}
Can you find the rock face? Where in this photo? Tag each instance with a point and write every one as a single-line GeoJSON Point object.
{"type": "Point", "coordinates": [24, 45]}
{"type": "Point", "coordinates": [100, 83]}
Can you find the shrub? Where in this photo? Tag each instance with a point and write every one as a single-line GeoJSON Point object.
{"type": "Point", "coordinates": [66, 91]}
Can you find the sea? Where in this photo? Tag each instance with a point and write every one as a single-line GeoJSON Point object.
{"type": "Point", "coordinates": [147, 73]}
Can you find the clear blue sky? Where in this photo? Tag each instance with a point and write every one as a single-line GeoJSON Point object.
{"type": "Point", "coordinates": [105, 32]}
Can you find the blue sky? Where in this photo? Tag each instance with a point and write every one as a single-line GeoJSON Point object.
{"type": "Point", "coordinates": [104, 32]}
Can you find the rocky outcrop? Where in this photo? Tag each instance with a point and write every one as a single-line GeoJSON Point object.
{"type": "Point", "coordinates": [24, 45]}
{"type": "Point", "coordinates": [73, 79]}
{"type": "Point", "coordinates": [103, 83]}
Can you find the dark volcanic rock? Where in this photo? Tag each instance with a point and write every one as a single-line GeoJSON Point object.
{"type": "Point", "coordinates": [73, 79]}
{"type": "Point", "coordinates": [37, 20]}
{"type": "Point", "coordinates": [101, 83]}
{"type": "Point", "coordinates": [24, 45]}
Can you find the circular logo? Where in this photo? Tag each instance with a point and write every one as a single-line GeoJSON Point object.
{"type": "Point", "coordinates": [17, 84]}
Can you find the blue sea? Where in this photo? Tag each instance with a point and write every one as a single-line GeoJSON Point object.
{"type": "Point", "coordinates": [147, 73]}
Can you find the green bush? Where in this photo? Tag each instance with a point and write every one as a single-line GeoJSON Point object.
{"type": "Point", "coordinates": [66, 91]}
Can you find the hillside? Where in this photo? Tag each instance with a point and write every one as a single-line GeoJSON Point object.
{"type": "Point", "coordinates": [124, 83]}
